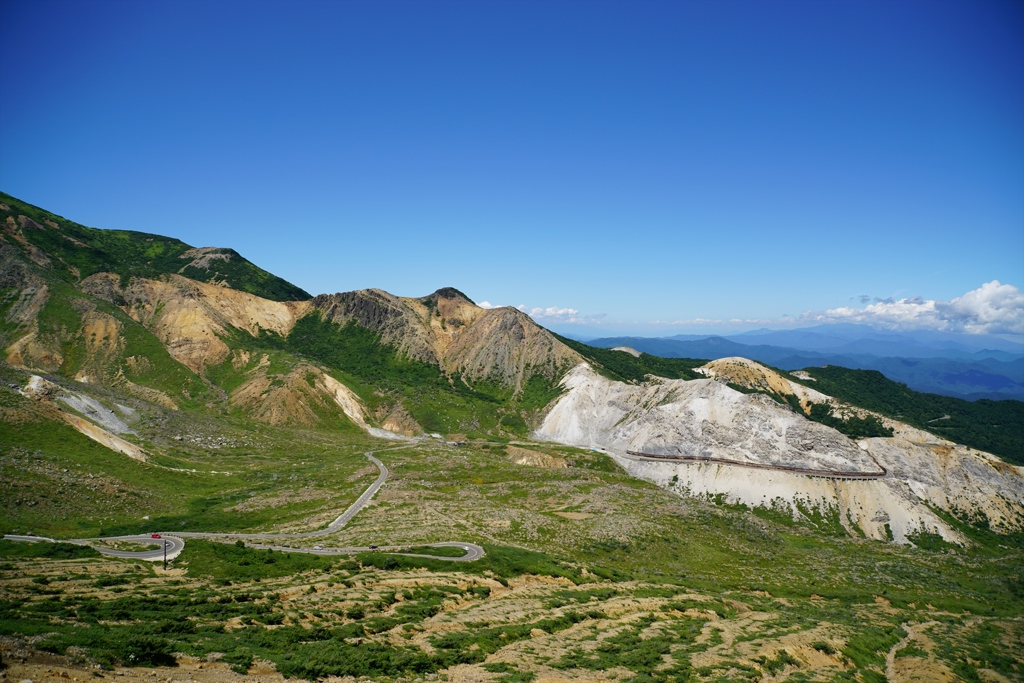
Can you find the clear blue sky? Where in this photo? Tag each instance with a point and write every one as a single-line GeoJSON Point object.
{"type": "Point", "coordinates": [642, 160]}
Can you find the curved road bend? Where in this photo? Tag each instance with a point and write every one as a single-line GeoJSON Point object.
{"type": "Point", "coordinates": [175, 544]}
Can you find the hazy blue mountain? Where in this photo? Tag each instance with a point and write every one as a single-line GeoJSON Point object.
{"type": "Point", "coordinates": [847, 338]}
{"type": "Point", "coordinates": [970, 377]}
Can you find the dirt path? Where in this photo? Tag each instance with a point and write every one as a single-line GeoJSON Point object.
{"type": "Point", "coordinates": [890, 657]}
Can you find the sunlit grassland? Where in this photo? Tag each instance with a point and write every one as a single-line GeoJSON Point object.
{"type": "Point", "coordinates": [514, 614]}
{"type": "Point", "coordinates": [232, 475]}
{"type": "Point", "coordinates": [627, 526]}
{"type": "Point", "coordinates": [587, 569]}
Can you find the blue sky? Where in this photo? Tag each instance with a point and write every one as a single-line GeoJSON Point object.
{"type": "Point", "coordinates": [652, 167]}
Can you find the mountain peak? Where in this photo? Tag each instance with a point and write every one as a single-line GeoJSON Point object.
{"type": "Point", "coordinates": [449, 293]}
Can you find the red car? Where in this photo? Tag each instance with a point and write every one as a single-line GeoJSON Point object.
{"type": "Point", "coordinates": [155, 536]}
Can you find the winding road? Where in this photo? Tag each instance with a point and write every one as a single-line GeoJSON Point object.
{"type": "Point", "coordinates": [174, 543]}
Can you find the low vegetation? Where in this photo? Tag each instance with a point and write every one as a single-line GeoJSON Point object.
{"type": "Point", "coordinates": [588, 572]}
{"type": "Point", "coordinates": [626, 367]}
{"type": "Point", "coordinates": [514, 617]}
{"type": "Point", "coordinates": [991, 426]}
{"type": "Point", "coordinates": [84, 251]}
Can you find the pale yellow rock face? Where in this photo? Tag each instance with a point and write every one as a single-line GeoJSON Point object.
{"type": "Point", "coordinates": [102, 341]}
{"type": "Point", "coordinates": [531, 458]}
{"type": "Point", "coordinates": [46, 393]}
{"type": "Point", "coordinates": [296, 397]}
{"type": "Point", "coordinates": [396, 418]}
{"type": "Point", "coordinates": [753, 375]}
{"type": "Point", "coordinates": [101, 333]}
{"type": "Point", "coordinates": [501, 344]}
{"type": "Point", "coordinates": [187, 316]}
{"type": "Point", "coordinates": [441, 333]}
{"type": "Point", "coordinates": [102, 436]}
{"type": "Point", "coordinates": [35, 352]}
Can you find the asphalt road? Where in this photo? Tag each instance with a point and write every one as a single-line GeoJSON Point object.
{"type": "Point", "coordinates": [176, 544]}
{"type": "Point", "coordinates": [174, 547]}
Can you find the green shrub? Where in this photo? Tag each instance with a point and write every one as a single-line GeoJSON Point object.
{"type": "Point", "coordinates": [43, 549]}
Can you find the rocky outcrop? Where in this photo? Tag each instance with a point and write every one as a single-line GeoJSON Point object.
{"type": "Point", "coordinates": [397, 419]}
{"type": "Point", "coordinates": [752, 375]}
{"type": "Point", "coordinates": [532, 458]}
{"type": "Point", "coordinates": [102, 420]}
{"type": "Point", "coordinates": [190, 317]}
{"type": "Point", "coordinates": [396, 320]}
{"type": "Point", "coordinates": [707, 419]}
{"type": "Point", "coordinates": [201, 258]}
{"type": "Point", "coordinates": [700, 418]}
{"type": "Point", "coordinates": [961, 480]}
{"type": "Point", "coordinates": [299, 397]}
{"type": "Point", "coordinates": [502, 345]}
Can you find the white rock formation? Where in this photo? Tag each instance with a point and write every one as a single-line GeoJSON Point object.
{"type": "Point", "coordinates": [707, 419]}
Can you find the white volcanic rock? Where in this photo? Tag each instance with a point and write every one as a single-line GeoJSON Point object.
{"type": "Point", "coordinates": [704, 418]}
{"type": "Point", "coordinates": [954, 478]}
{"type": "Point", "coordinates": [700, 418]}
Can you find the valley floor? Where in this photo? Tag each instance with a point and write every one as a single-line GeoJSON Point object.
{"type": "Point", "coordinates": [590, 574]}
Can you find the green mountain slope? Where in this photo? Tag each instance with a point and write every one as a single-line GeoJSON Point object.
{"type": "Point", "coordinates": [993, 426]}
{"type": "Point", "coordinates": [383, 377]}
{"type": "Point", "coordinates": [76, 252]}
{"type": "Point", "coordinates": [237, 398]}
{"type": "Point", "coordinates": [626, 367]}
{"type": "Point", "coordinates": [440, 359]}
{"type": "Point", "coordinates": [49, 325]}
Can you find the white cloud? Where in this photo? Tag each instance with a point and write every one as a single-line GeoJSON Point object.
{"type": "Point", "coordinates": [993, 308]}
{"type": "Point", "coordinates": [557, 314]}
{"type": "Point", "coordinates": [488, 304]}
{"type": "Point", "coordinates": [689, 321]}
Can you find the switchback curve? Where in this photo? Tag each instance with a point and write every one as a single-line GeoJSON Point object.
{"type": "Point", "coordinates": [174, 541]}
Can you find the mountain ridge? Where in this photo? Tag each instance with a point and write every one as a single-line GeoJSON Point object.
{"type": "Point", "coordinates": [997, 375]}
{"type": "Point", "coordinates": [387, 366]}
{"type": "Point", "coordinates": [83, 251]}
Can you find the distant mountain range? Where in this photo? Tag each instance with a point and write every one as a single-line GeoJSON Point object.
{"type": "Point", "coordinates": [960, 365]}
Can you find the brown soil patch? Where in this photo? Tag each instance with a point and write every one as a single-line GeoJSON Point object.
{"type": "Point", "coordinates": [917, 670]}
{"type": "Point", "coordinates": [573, 515]}
{"type": "Point", "coordinates": [524, 456]}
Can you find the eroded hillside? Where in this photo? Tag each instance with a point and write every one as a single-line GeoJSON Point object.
{"type": "Point", "coordinates": [762, 453]}
{"type": "Point", "coordinates": [501, 345]}
{"type": "Point", "coordinates": [122, 320]}
{"type": "Point", "coordinates": [147, 386]}
{"type": "Point", "coordinates": [202, 332]}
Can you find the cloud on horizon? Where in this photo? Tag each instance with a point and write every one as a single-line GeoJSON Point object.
{"type": "Point", "coordinates": [993, 308]}
{"type": "Point", "coordinates": [556, 314]}
{"type": "Point", "coordinates": [553, 314]}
